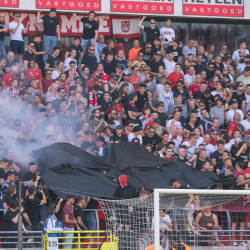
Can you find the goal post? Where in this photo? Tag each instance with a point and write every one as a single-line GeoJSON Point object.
{"type": "Point", "coordinates": [218, 197]}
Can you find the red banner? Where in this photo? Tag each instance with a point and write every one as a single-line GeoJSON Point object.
{"type": "Point", "coordinates": [9, 3]}
{"type": "Point", "coordinates": [229, 8]}
{"type": "Point", "coordinates": [83, 5]}
{"type": "Point", "coordinates": [138, 6]}
{"type": "Point", "coordinates": [68, 24]}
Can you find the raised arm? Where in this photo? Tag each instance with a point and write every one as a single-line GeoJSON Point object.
{"type": "Point", "coordinates": [77, 17]}
{"type": "Point", "coordinates": [38, 19]}
{"type": "Point", "coordinates": [27, 27]}
{"type": "Point", "coordinates": [140, 23]}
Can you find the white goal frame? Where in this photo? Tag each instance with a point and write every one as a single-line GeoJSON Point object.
{"type": "Point", "coordinates": [157, 193]}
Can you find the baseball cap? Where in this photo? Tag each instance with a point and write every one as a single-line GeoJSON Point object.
{"type": "Point", "coordinates": [119, 127]}
{"type": "Point", "coordinates": [131, 96]}
{"type": "Point", "coordinates": [52, 10]}
{"type": "Point", "coordinates": [127, 72]}
{"type": "Point", "coordinates": [220, 99]}
{"type": "Point", "coordinates": [137, 128]}
{"type": "Point", "coordinates": [157, 120]}
{"type": "Point", "coordinates": [110, 121]}
{"type": "Point", "coordinates": [113, 75]}
{"type": "Point", "coordinates": [135, 109]}
{"type": "Point", "coordinates": [172, 181]}
{"type": "Point", "coordinates": [176, 41]}
{"type": "Point", "coordinates": [119, 40]}
{"type": "Point", "coordinates": [157, 38]}
{"type": "Point", "coordinates": [158, 53]}
{"type": "Point", "coordinates": [237, 140]}
{"type": "Point", "coordinates": [129, 59]}
{"type": "Point", "coordinates": [232, 102]}
{"type": "Point", "coordinates": [194, 111]}
{"type": "Point", "coordinates": [17, 123]}
{"type": "Point", "coordinates": [118, 65]}
{"type": "Point", "coordinates": [69, 196]}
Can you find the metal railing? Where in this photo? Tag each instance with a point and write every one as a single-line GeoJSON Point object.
{"type": "Point", "coordinates": [6, 235]}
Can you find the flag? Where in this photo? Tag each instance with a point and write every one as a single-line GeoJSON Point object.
{"type": "Point", "coordinates": [126, 27]}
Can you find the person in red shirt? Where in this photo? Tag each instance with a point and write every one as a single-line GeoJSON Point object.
{"type": "Point", "coordinates": [234, 125]}
{"type": "Point", "coordinates": [47, 81]}
{"type": "Point", "coordinates": [34, 73]}
{"type": "Point", "coordinates": [174, 76]}
{"type": "Point", "coordinates": [195, 86]}
{"type": "Point", "coordinates": [100, 70]}
{"type": "Point", "coordinates": [119, 44]}
{"type": "Point", "coordinates": [168, 156]}
{"type": "Point", "coordinates": [214, 137]}
{"type": "Point", "coordinates": [7, 77]}
{"type": "Point", "coordinates": [239, 168]}
{"type": "Point", "coordinates": [68, 219]}
{"type": "Point", "coordinates": [91, 82]}
{"type": "Point", "coordinates": [134, 78]}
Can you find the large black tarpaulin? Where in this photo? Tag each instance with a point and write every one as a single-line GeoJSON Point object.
{"type": "Point", "coordinates": [68, 169]}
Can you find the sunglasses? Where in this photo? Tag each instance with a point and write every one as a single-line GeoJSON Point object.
{"type": "Point", "coordinates": [149, 47]}
{"type": "Point", "coordinates": [211, 67]}
{"type": "Point", "coordinates": [140, 55]}
{"type": "Point", "coordinates": [214, 134]}
{"type": "Point", "coordinates": [48, 73]}
{"type": "Point", "coordinates": [145, 70]}
{"type": "Point", "coordinates": [152, 23]}
{"type": "Point", "coordinates": [151, 131]}
{"type": "Point", "coordinates": [114, 113]}
{"type": "Point", "coordinates": [119, 68]}
{"type": "Point", "coordinates": [114, 78]}
{"type": "Point", "coordinates": [92, 49]}
{"type": "Point", "coordinates": [178, 85]}
{"type": "Point", "coordinates": [131, 126]}
{"type": "Point", "coordinates": [187, 132]}
{"type": "Point", "coordinates": [100, 81]}
{"type": "Point", "coordinates": [32, 46]}
{"type": "Point", "coordinates": [202, 105]}
{"type": "Point", "coordinates": [17, 16]}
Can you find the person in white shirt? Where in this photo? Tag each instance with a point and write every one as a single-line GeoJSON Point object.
{"type": "Point", "coordinates": [246, 125]}
{"type": "Point", "coordinates": [69, 59]}
{"type": "Point", "coordinates": [166, 96]}
{"type": "Point", "coordinates": [165, 221]}
{"type": "Point", "coordinates": [176, 125]}
{"type": "Point", "coordinates": [190, 76]}
{"type": "Point", "coordinates": [59, 69]}
{"type": "Point", "coordinates": [177, 135]}
{"type": "Point", "coordinates": [137, 131]}
{"type": "Point", "coordinates": [16, 35]}
{"type": "Point", "coordinates": [167, 34]}
{"type": "Point", "coordinates": [209, 147]}
{"type": "Point", "coordinates": [240, 68]}
{"type": "Point", "coordinates": [190, 145]}
{"type": "Point", "coordinates": [218, 90]}
{"type": "Point", "coordinates": [233, 110]}
{"type": "Point", "coordinates": [169, 64]}
{"type": "Point", "coordinates": [247, 94]}
{"type": "Point", "coordinates": [161, 148]}
{"type": "Point", "coordinates": [236, 56]}
{"type": "Point", "coordinates": [200, 139]}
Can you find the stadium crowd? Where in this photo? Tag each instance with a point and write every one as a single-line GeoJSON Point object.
{"type": "Point", "coordinates": [180, 102]}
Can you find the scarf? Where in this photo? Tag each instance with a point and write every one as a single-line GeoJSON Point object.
{"type": "Point", "coordinates": [65, 86]}
{"type": "Point", "coordinates": [132, 104]}
{"type": "Point", "coordinates": [72, 82]}
{"type": "Point", "coordinates": [91, 100]}
{"type": "Point", "coordinates": [123, 180]}
{"type": "Point", "coordinates": [13, 92]}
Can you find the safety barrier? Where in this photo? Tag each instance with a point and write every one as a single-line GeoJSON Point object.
{"type": "Point", "coordinates": [106, 241]}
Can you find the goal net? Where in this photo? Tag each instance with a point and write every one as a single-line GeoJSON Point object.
{"type": "Point", "coordinates": [196, 218]}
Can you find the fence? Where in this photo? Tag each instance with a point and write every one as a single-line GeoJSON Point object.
{"type": "Point", "coordinates": [106, 241]}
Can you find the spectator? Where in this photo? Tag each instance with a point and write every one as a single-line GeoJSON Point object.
{"type": "Point", "coordinates": [68, 220]}
{"type": "Point", "coordinates": [34, 73]}
{"type": "Point", "coordinates": [16, 29]}
{"type": "Point", "coordinates": [119, 135]}
{"type": "Point", "coordinates": [79, 51]}
{"type": "Point", "coordinates": [59, 69]}
{"type": "Point", "coordinates": [175, 76]}
{"type": "Point", "coordinates": [46, 81]}
{"type": "Point", "coordinates": [189, 49]}
{"type": "Point", "coordinates": [156, 63]}
{"type": "Point", "coordinates": [219, 112]}
{"type": "Point", "coordinates": [147, 52]}
{"type": "Point", "coordinates": [3, 30]}
{"type": "Point", "coordinates": [109, 49]}
{"type": "Point", "coordinates": [89, 59]}
{"type": "Point", "coordinates": [8, 76]}
{"type": "Point", "coordinates": [100, 45]}
{"type": "Point", "coordinates": [51, 62]}
{"type": "Point", "coordinates": [151, 32]}
{"type": "Point", "coordinates": [90, 32]}
{"type": "Point", "coordinates": [28, 55]}
{"type": "Point", "coordinates": [134, 51]}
